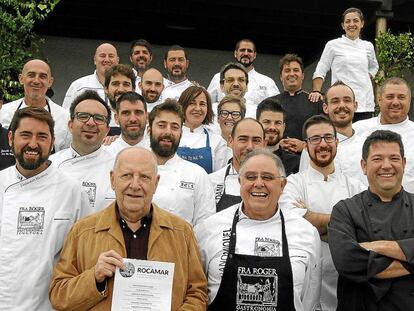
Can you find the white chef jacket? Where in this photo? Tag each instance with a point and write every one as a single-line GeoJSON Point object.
{"type": "Point", "coordinates": [320, 196]}
{"type": "Point", "coordinates": [151, 106]}
{"type": "Point", "coordinates": [259, 88]}
{"type": "Point", "coordinates": [82, 84]}
{"type": "Point", "coordinates": [197, 139]}
{"type": "Point", "coordinates": [120, 144]}
{"type": "Point", "coordinates": [231, 184]}
{"type": "Point", "coordinates": [185, 190]}
{"type": "Point", "coordinates": [92, 171]}
{"type": "Point", "coordinates": [406, 130]}
{"type": "Point", "coordinates": [213, 238]}
{"type": "Point", "coordinates": [36, 214]}
{"type": "Point", "coordinates": [348, 157]}
{"type": "Point", "coordinates": [351, 61]}
{"type": "Point", "coordinates": [174, 90]}
{"type": "Point", "coordinates": [60, 116]}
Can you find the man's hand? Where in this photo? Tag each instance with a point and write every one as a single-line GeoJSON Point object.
{"type": "Point", "coordinates": [106, 265]}
{"type": "Point", "coordinates": [109, 140]}
{"type": "Point", "coordinates": [386, 248]}
{"type": "Point", "coordinates": [315, 97]}
{"type": "Point", "coordinates": [292, 144]}
{"type": "Point", "coordinates": [300, 204]}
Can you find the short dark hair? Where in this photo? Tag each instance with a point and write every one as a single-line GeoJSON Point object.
{"type": "Point", "coordinates": [120, 69]}
{"type": "Point", "coordinates": [140, 42]}
{"type": "Point", "coordinates": [37, 113]}
{"type": "Point", "coordinates": [169, 105]}
{"type": "Point", "coordinates": [352, 10]}
{"type": "Point", "coordinates": [316, 119]}
{"type": "Point", "coordinates": [287, 59]}
{"type": "Point", "coordinates": [270, 104]}
{"type": "Point", "coordinates": [338, 82]}
{"type": "Point", "coordinates": [93, 95]}
{"type": "Point", "coordinates": [381, 136]}
{"type": "Point", "coordinates": [233, 65]}
{"type": "Point", "coordinates": [190, 94]}
{"type": "Point", "coordinates": [394, 81]}
{"type": "Point", "coordinates": [245, 40]}
{"type": "Point", "coordinates": [233, 99]}
{"type": "Point", "coordinates": [131, 97]}
{"type": "Point", "coordinates": [175, 48]}
{"type": "Point", "coordinates": [233, 131]}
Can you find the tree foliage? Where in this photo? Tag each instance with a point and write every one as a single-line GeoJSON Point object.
{"type": "Point", "coordinates": [395, 55]}
{"type": "Point", "coordinates": [18, 40]}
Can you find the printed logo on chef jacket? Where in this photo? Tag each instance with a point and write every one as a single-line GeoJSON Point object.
{"type": "Point", "coordinates": [90, 188]}
{"type": "Point", "coordinates": [31, 220]}
{"type": "Point", "coordinates": [187, 185]}
{"type": "Point", "coordinates": [256, 289]}
{"type": "Point", "coordinates": [266, 247]}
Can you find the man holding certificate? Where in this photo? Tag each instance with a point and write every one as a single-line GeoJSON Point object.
{"type": "Point", "coordinates": [135, 228]}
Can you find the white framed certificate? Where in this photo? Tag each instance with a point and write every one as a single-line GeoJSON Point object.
{"type": "Point", "coordinates": [143, 285]}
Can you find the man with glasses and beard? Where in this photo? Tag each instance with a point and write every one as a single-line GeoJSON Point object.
{"type": "Point", "coordinates": [131, 115]}
{"type": "Point", "coordinates": [184, 188]}
{"type": "Point", "coordinates": [272, 116]}
{"type": "Point", "coordinates": [38, 205]}
{"type": "Point", "coordinates": [86, 161]}
{"type": "Point", "coordinates": [176, 63]}
{"type": "Point", "coordinates": [316, 190]}
{"type": "Point", "coordinates": [260, 86]}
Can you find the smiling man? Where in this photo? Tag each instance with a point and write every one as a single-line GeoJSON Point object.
{"type": "Point", "coordinates": [184, 188]}
{"type": "Point", "coordinates": [176, 63]}
{"type": "Point", "coordinates": [246, 135]}
{"type": "Point", "coordinates": [260, 87]}
{"type": "Point", "coordinates": [316, 190]}
{"type": "Point", "coordinates": [105, 56]}
{"type": "Point", "coordinates": [131, 227]}
{"type": "Point", "coordinates": [295, 102]}
{"type": "Point", "coordinates": [394, 100]}
{"type": "Point", "coordinates": [38, 205]}
{"type": "Point", "coordinates": [36, 78]}
{"type": "Point", "coordinates": [370, 234]}
{"type": "Point", "coordinates": [151, 86]}
{"type": "Point", "coordinates": [257, 257]}
{"type": "Point", "coordinates": [86, 161]}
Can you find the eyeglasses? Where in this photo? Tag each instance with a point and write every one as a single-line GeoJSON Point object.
{"type": "Point", "coordinates": [85, 116]}
{"type": "Point", "coordinates": [234, 114]}
{"type": "Point", "coordinates": [265, 177]}
{"type": "Point", "coordinates": [314, 140]}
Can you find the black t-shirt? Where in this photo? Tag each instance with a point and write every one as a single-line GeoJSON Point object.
{"type": "Point", "coordinates": [298, 109]}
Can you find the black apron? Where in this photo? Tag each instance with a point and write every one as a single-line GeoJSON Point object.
{"type": "Point", "coordinates": [253, 282]}
{"type": "Point", "coordinates": [227, 200]}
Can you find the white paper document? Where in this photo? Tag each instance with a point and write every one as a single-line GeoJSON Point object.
{"type": "Point", "coordinates": [144, 285]}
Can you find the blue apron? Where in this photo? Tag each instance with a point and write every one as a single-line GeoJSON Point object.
{"type": "Point", "coordinates": [200, 156]}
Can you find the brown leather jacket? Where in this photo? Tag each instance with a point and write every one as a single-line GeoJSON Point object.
{"type": "Point", "coordinates": [171, 239]}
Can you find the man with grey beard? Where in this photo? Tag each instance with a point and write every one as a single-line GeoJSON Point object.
{"type": "Point", "coordinates": [184, 188]}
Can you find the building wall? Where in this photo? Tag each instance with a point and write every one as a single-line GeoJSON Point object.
{"type": "Point", "coordinates": [73, 58]}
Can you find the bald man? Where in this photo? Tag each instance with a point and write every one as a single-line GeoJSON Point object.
{"type": "Point", "coordinates": [36, 78]}
{"type": "Point", "coordinates": [151, 86]}
{"type": "Point", "coordinates": [131, 227]}
{"type": "Point", "coordinates": [105, 56]}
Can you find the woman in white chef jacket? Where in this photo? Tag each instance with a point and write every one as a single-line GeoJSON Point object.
{"type": "Point", "coordinates": [350, 60]}
{"type": "Point", "coordinates": [198, 144]}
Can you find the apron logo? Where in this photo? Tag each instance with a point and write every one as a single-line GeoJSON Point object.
{"type": "Point", "coordinates": [90, 189]}
{"type": "Point", "coordinates": [187, 185]}
{"type": "Point", "coordinates": [257, 289]}
{"type": "Point", "coordinates": [266, 247]}
{"type": "Point", "coordinates": [30, 220]}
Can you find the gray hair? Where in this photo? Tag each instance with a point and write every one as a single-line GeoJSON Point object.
{"type": "Point", "coordinates": [267, 153]}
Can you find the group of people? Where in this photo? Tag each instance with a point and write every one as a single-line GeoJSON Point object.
{"type": "Point", "coordinates": [263, 201]}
